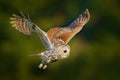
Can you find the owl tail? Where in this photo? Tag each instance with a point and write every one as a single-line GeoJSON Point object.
{"type": "Point", "coordinates": [39, 54]}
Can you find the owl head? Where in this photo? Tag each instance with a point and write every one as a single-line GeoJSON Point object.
{"type": "Point", "coordinates": [62, 51]}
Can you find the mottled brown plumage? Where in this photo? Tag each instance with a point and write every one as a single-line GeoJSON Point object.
{"type": "Point", "coordinates": [66, 33]}
{"type": "Point", "coordinates": [55, 40]}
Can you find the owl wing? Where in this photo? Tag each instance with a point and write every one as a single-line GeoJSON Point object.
{"type": "Point", "coordinates": [26, 26]}
{"type": "Point", "coordinates": [67, 33]}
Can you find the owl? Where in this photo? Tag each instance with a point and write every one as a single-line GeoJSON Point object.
{"type": "Point", "coordinates": [55, 40]}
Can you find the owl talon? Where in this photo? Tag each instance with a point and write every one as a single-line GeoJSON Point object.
{"type": "Point", "coordinates": [42, 66]}
{"type": "Point", "coordinates": [45, 66]}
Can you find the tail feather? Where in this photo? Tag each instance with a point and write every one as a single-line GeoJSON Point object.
{"type": "Point", "coordinates": [39, 54]}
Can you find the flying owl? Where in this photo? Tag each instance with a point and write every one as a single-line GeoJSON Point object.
{"type": "Point", "coordinates": [55, 40]}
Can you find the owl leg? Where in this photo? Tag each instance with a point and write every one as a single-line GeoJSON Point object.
{"type": "Point", "coordinates": [43, 66]}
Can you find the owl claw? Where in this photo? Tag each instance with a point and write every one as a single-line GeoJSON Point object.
{"type": "Point", "coordinates": [45, 66]}
{"type": "Point", "coordinates": [42, 66]}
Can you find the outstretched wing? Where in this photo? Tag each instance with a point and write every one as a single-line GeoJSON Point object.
{"type": "Point", "coordinates": [26, 26]}
{"type": "Point", "coordinates": [67, 33]}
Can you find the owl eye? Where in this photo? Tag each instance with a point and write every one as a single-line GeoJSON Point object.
{"type": "Point", "coordinates": [65, 51]}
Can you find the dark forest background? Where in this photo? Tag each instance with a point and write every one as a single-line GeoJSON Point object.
{"type": "Point", "coordinates": [95, 51]}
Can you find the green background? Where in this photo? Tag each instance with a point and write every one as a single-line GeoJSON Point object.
{"type": "Point", "coordinates": [95, 51]}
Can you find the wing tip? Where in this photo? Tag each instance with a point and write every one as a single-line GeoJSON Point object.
{"type": "Point", "coordinates": [19, 23]}
{"type": "Point", "coordinates": [87, 14]}
{"type": "Point", "coordinates": [82, 19]}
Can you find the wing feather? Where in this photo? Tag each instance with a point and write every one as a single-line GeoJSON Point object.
{"type": "Point", "coordinates": [26, 26]}
{"type": "Point", "coordinates": [67, 33]}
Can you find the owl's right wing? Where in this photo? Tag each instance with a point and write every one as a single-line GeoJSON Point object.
{"type": "Point", "coordinates": [26, 26]}
{"type": "Point", "coordinates": [67, 33]}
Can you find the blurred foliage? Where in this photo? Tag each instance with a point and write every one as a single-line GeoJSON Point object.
{"type": "Point", "coordinates": [95, 51]}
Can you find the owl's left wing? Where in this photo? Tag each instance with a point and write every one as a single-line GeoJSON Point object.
{"type": "Point", "coordinates": [67, 33]}
{"type": "Point", "coordinates": [26, 26]}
